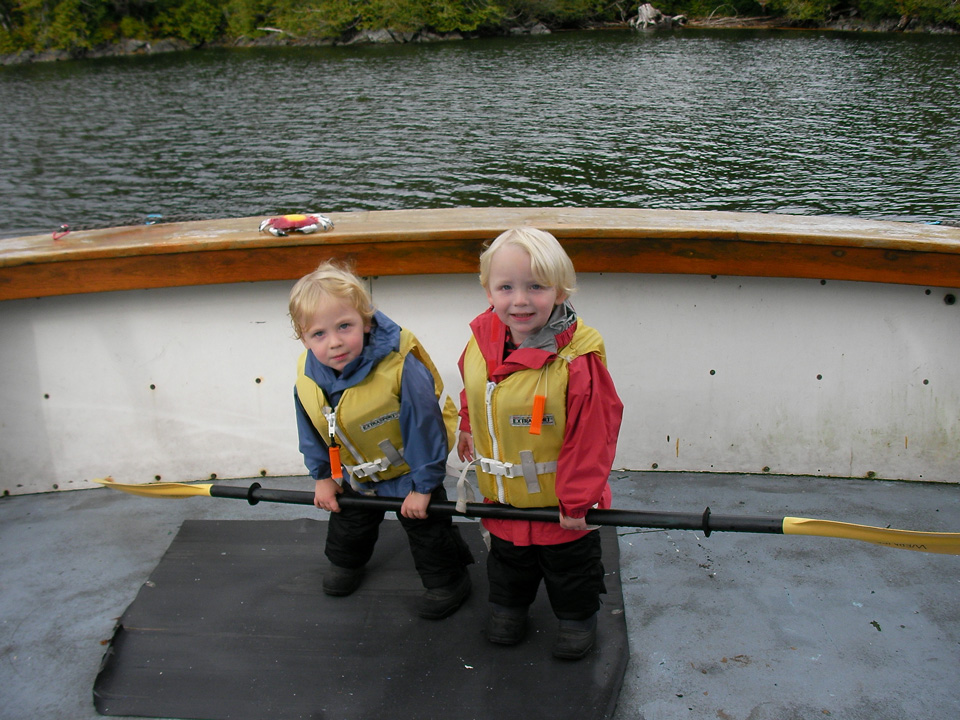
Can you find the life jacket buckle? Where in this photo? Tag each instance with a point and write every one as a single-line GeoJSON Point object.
{"type": "Point", "coordinates": [496, 467]}
{"type": "Point", "coordinates": [369, 468]}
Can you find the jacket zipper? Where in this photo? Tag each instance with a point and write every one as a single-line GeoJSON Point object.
{"type": "Point", "coordinates": [491, 387]}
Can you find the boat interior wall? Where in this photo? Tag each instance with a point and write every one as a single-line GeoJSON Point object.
{"type": "Point", "coordinates": [174, 383]}
{"type": "Point", "coordinates": [721, 375]}
{"type": "Point", "coordinates": [446, 241]}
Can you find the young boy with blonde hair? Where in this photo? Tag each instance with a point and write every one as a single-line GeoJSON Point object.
{"type": "Point", "coordinates": [540, 416]}
{"type": "Point", "coordinates": [367, 404]}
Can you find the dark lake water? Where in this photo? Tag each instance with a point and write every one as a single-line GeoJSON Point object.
{"type": "Point", "coordinates": [805, 123]}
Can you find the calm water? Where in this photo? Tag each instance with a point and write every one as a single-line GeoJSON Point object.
{"type": "Point", "coordinates": [786, 122]}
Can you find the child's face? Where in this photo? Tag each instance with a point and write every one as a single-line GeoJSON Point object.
{"type": "Point", "coordinates": [335, 333]}
{"type": "Point", "coordinates": [520, 301]}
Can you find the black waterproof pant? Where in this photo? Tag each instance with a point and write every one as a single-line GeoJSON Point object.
{"type": "Point", "coordinates": [572, 573]}
{"type": "Point", "coordinates": [439, 553]}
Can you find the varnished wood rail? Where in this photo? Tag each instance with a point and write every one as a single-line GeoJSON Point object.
{"type": "Point", "coordinates": [411, 242]}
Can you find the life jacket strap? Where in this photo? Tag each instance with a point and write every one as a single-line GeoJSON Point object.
{"type": "Point", "coordinates": [465, 491]}
{"type": "Point", "coordinates": [367, 469]}
{"type": "Point", "coordinates": [524, 468]}
{"type": "Point", "coordinates": [466, 494]}
{"type": "Point", "coordinates": [392, 454]}
{"type": "Point", "coordinates": [391, 457]}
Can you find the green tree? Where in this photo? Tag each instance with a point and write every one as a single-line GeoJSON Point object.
{"type": "Point", "coordinates": [936, 11]}
{"type": "Point", "coordinates": [439, 15]}
{"type": "Point", "coordinates": [316, 18]}
{"type": "Point", "coordinates": [243, 17]}
{"type": "Point", "coordinates": [562, 12]}
{"type": "Point", "coordinates": [196, 21]}
{"type": "Point", "coordinates": [464, 15]}
{"type": "Point", "coordinates": [10, 26]}
{"type": "Point", "coordinates": [68, 28]}
{"type": "Point", "coordinates": [809, 11]}
{"type": "Point", "coordinates": [77, 25]}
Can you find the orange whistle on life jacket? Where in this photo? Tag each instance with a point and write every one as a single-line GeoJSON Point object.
{"type": "Point", "coordinates": [536, 419]}
{"type": "Point", "coordinates": [336, 471]}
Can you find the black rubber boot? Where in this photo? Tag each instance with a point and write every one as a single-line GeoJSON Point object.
{"type": "Point", "coordinates": [506, 625]}
{"type": "Point", "coordinates": [340, 581]}
{"type": "Point", "coordinates": [438, 603]}
{"type": "Point", "coordinates": [575, 638]}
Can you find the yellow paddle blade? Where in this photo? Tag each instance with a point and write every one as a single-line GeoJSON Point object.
{"type": "Point", "coordinates": [932, 542]}
{"type": "Point", "coordinates": [158, 489]}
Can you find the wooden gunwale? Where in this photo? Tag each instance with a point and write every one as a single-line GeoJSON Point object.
{"type": "Point", "coordinates": [411, 242]}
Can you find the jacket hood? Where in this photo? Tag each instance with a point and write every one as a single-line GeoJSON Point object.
{"type": "Point", "coordinates": [552, 336]}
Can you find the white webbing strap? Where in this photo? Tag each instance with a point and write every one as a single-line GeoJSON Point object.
{"type": "Point", "coordinates": [392, 456]}
{"type": "Point", "coordinates": [529, 469]}
{"type": "Point", "coordinates": [512, 470]}
{"type": "Point", "coordinates": [465, 491]}
{"type": "Point", "coordinates": [369, 468]}
{"type": "Point", "coordinates": [466, 494]}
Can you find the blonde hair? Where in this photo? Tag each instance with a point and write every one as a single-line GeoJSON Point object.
{"type": "Point", "coordinates": [332, 280]}
{"type": "Point", "coordinates": [549, 262]}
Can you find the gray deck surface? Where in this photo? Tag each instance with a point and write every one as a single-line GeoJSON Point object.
{"type": "Point", "coordinates": [734, 626]}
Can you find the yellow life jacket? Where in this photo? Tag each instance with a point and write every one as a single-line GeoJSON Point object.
{"type": "Point", "coordinates": [367, 419]}
{"type": "Point", "coordinates": [515, 466]}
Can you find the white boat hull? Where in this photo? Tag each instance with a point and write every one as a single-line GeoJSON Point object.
{"type": "Point", "coordinates": [725, 374]}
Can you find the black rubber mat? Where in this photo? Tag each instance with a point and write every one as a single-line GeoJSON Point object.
{"type": "Point", "coordinates": [233, 625]}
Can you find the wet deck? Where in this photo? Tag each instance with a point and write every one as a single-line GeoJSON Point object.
{"type": "Point", "coordinates": [730, 626]}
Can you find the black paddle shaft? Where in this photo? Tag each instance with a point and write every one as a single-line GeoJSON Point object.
{"type": "Point", "coordinates": [706, 522]}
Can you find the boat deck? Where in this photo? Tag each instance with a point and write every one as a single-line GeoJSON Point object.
{"type": "Point", "coordinates": [731, 626]}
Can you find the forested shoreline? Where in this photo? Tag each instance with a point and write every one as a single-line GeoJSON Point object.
{"type": "Point", "coordinates": [60, 29]}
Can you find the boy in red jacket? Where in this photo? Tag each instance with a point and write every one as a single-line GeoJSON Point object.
{"type": "Point", "coordinates": [540, 417]}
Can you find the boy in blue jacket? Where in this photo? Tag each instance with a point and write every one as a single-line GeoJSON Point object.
{"type": "Point", "coordinates": [370, 423]}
